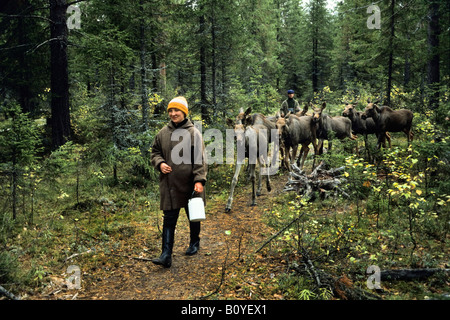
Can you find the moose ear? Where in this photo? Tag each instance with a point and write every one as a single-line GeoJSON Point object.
{"type": "Point", "coordinates": [305, 108]}
{"type": "Point", "coordinates": [248, 121]}
{"type": "Point", "coordinates": [324, 105]}
{"type": "Point", "coordinates": [248, 111]}
{"type": "Point", "coordinates": [230, 122]}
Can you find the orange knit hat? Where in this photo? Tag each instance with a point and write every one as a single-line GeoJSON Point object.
{"type": "Point", "coordinates": [179, 103]}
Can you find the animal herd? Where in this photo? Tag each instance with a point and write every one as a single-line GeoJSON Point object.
{"type": "Point", "coordinates": [303, 129]}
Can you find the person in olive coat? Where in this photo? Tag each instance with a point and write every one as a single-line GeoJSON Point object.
{"type": "Point", "coordinates": [290, 104]}
{"type": "Point", "coordinates": [178, 153]}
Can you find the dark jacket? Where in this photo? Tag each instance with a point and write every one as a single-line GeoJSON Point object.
{"type": "Point", "coordinates": [177, 186]}
{"type": "Point", "coordinates": [291, 105]}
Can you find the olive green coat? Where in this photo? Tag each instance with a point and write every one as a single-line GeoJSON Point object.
{"type": "Point", "coordinates": [177, 186]}
{"type": "Point", "coordinates": [289, 105]}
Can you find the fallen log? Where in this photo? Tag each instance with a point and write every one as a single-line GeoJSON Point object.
{"type": "Point", "coordinates": [79, 254]}
{"type": "Point", "coordinates": [6, 293]}
{"type": "Point", "coordinates": [341, 287]}
{"type": "Point", "coordinates": [409, 274]}
{"type": "Point", "coordinates": [321, 180]}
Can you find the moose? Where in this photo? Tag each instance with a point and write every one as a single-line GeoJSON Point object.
{"type": "Point", "coordinates": [255, 119]}
{"type": "Point", "coordinates": [295, 130]}
{"type": "Point", "coordinates": [251, 138]}
{"type": "Point", "coordinates": [387, 119]}
{"type": "Point", "coordinates": [362, 126]}
{"type": "Point", "coordinates": [341, 126]}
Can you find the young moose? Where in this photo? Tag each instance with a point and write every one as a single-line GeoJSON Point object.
{"type": "Point", "coordinates": [293, 131]}
{"type": "Point", "coordinates": [388, 120]}
{"type": "Point", "coordinates": [341, 126]}
{"type": "Point", "coordinates": [251, 139]}
{"type": "Point", "coordinates": [360, 125]}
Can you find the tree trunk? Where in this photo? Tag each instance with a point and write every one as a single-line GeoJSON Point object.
{"type": "Point", "coordinates": [14, 186]}
{"type": "Point", "coordinates": [144, 98]}
{"type": "Point", "coordinates": [213, 57]}
{"type": "Point", "coordinates": [315, 73]}
{"type": "Point", "coordinates": [433, 48]}
{"type": "Point", "coordinates": [155, 67]}
{"type": "Point", "coordinates": [407, 70]}
{"type": "Point", "coordinates": [25, 94]}
{"type": "Point", "coordinates": [391, 54]}
{"type": "Point", "coordinates": [60, 121]}
{"type": "Point", "coordinates": [203, 100]}
{"type": "Point", "coordinates": [315, 47]}
{"type": "Point", "coordinates": [409, 274]}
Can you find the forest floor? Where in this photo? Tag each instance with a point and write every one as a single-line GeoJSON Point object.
{"type": "Point", "coordinates": [226, 266]}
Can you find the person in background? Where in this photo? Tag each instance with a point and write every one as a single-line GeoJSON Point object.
{"type": "Point", "coordinates": [178, 181]}
{"type": "Point", "coordinates": [290, 104]}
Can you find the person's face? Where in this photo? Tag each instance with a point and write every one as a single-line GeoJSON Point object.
{"type": "Point", "coordinates": [290, 95]}
{"type": "Point", "coordinates": [176, 115]}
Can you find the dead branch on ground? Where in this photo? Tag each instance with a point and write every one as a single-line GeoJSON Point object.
{"type": "Point", "coordinates": [325, 182]}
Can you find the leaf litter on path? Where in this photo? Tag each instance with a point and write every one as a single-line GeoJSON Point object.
{"type": "Point", "coordinates": [225, 267]}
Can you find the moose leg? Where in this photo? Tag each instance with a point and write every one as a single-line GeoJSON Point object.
{"type": "Point", "coordinates": [233, 185]}
{"type": "Point", "coordinates": [315, 152]}
{"type": "Point", "coordinates": [319, 146]}
{"type": "Point", "coordinates": [366, 146]}
{"type": "Point", "coordinates": [381, 139]}
{"type": "Point", "coordinates": [284, 152]}
{"type": "Point", "coordinates": [409, 135]}
{"type": "Point", "coordinates": [388, 137]}
{"type": "Point", "coordinates": [258, 191]}
{"type": "Point", "coordinates": [286, 158]}
{"type": "Point", "coordinates": [252, 179]}
{"type": "Point", "coordinates": [264, 167]}
{"type": "Point", "coordinates": [304, 152]}
{"type": "Point", "coordinates": [294, 153]}
{"type": "Point", "coordinates": [269, 188]}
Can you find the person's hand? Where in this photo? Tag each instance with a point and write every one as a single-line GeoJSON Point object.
{"type": "Point", "coordinates": [165, 168]}
{"type": "Point", "coordinates": [198, 187]}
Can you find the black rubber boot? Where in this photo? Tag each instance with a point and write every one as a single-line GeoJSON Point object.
{"type": "Point", "coordinates": [165, 259]}
{"type": "Point", "coordinates": [194, 243]}
{"type": "Point", "coordinates": [168, 236]}
{"type": "Point", "coordinates": [193, 248]}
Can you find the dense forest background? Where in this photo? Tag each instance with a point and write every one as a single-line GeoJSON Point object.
{"type": "Point", "coordinates": [84, 86]}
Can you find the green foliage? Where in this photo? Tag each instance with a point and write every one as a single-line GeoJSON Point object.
{"type": "Point", "coordinates": [397, 215]}
{"type": "Point", "coordinates": [8, 267]}
{"type": "Point", "coordinates": [130, 57]}
{"type": "Point", "coordinates": [19, 142]}
{"type": "Point", "coordinates": [19, 139]}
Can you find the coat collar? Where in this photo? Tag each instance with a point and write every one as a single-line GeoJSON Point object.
{"type": "Point", "coordinates": [186, 123]}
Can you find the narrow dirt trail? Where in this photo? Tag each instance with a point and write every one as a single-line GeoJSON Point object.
{"type": "Point", "coordinates": [225, 238]}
